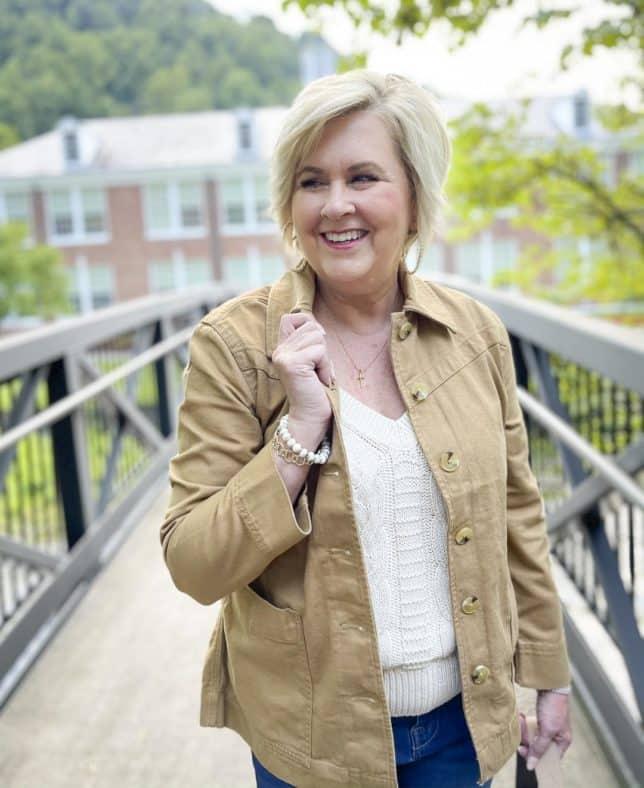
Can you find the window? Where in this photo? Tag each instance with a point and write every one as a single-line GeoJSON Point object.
{"type": "Point", "coordinates": [245, 135]}
{"type": "Point", "coordinates": [161, 276]}
{"type": "Point", "coordinates": [237, 272]}
{"type": "Point", "coordinates": [91, 286]}
{"type": "Point", "coordinates": [506, 251]}
{"type": "Point", "coordinates": [232, 195]}
{"type": "Point", "coordinates": [14, 207]}
{"type": "Point", "coordinates": [190, 204]}
{"type": "Point", "coordinates": [468, 260]}
{"type": "Point", "coordinates": [77, 215]}
{"type": "Point", "coordinates": [174, 209]}
{"type": "Point", "coordinates": [71, 146]}
{"type": "Point", "coordinates": [198, 272]}
{"type": "Point", "coordinates": [164, 275]}
{"type": "Point", "coordinates": [93, 201]}
{"type": "Point", "coordinates": [101, 285]}
{"type": "Point", "coordinates": [252, 271]}
{"type": "Point", "coordinates": [432, 259]}
{"type": "Point", "coordinates": [157, 205]}
{"type": "Point", "coordinates": [62, 219]}
{"type": "Point", "coordinates": [636, 163]}
{"type": "Point", "coordinates": [262, 200]}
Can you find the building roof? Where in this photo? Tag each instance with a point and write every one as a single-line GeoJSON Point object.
{"type": "Point", "coordinates": [144, 142]}
{"type": "Point", "coordinates": [203, 139]}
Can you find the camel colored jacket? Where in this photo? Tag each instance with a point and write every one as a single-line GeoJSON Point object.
{"type": "Point", "coordinates": [293, 662]}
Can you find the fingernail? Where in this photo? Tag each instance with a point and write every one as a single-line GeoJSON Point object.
{"type": "Point", "coordinates": [532, 762]}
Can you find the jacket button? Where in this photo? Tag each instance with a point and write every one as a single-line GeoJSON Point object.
{"type": "Point", "coordinates": [449, 461]}
{"type": "Point", "coordinates": [480, 674]}
{"type": "Point", "coordinates": [470, 605]}
{"type": "Point", "coordinates": [463, 535]}
{"type": "Point", "coordinates": [405, 330]}
{"type": "Point", "coordinates": [420, 393]}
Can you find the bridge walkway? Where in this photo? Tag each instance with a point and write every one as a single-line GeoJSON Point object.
{"type": "Point", "coordinates": [113, 700]}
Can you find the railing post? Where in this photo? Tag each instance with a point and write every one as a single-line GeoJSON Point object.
{"type": "Point", "coordinates": [70, 457]}
{"type": "Point", "coordinates": [163, 375]}
{"type": "Point", "coordinates": [524, 778]}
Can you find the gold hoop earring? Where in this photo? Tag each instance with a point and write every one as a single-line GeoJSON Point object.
{"type": "Point", "coordinates": [419, 257]}
{"type": "Point", "coordinates": [294, 241]}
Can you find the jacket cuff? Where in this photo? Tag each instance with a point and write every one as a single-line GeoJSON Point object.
{"type": "Point", "coordinates": [265, 507]}
{"type": "Point", "coordinates": [541, 666]}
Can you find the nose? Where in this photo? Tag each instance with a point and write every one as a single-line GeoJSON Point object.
{"type": "Point", "coordinates": [337, 203]}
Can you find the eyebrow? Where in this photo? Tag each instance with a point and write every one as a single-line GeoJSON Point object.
{"type": "Point", "coordinates": [358, 166]}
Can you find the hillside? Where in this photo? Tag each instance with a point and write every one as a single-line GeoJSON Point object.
{"type": "Point", "coordinates": [92, 58]}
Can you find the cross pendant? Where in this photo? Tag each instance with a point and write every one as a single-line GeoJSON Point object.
{"type": "Point", "coordinates": [360, 377]}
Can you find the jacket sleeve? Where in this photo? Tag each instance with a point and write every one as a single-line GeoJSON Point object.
{"type": "Point", "coordinates": [541, 658]}
{"type": "Point", "coordinates": [229, 513]}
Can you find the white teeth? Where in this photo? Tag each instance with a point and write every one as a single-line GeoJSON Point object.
{"type": "Point", "coordinates": [351, 235]}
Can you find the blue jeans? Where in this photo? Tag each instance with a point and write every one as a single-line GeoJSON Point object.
{"type": "Point", "coordinates": [433, 749]}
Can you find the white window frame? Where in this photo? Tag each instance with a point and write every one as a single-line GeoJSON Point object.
{"type": "Point", "coordinates": [81, 272]}
{"type": "Point", "coordinates": [470, 245]}
{"type": "Point", "coordinates": [251, 225]}
{"type": "Point", "coordinates": [78, 236]}
{"type": "Point", "coordinates": [179, 265]}
{"type": "Point", "coordinates": [254, 258]}
{"type": "Point", "coordinates": [4, 217]}
{"type": "Point", "coordinates": [176, 229]}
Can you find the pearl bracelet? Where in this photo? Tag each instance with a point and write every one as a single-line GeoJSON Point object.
{"type": "Point", "coordinates": [290, 450]}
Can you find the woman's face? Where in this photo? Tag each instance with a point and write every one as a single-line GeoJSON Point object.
{"type": "Point", "coordinates": [352, 207]}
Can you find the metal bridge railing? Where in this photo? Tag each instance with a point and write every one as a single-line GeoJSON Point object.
{"type": "Point", "coordinates": [88, 410]}
{"type": "Point", "coordinates": [87, 422]}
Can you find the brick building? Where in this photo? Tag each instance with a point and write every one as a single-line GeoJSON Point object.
{"type": "Point", "coordinates": [157, 202]}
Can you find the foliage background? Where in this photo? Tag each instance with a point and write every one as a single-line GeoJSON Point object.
{"type": "Point", "coordinates": [94, 58]}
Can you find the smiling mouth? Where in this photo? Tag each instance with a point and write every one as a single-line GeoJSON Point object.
{"type": "Point", "coordinates": [344, 238]}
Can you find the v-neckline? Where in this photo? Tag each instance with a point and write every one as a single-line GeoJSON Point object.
{"type": "Point", "coordinates": [373, 411]}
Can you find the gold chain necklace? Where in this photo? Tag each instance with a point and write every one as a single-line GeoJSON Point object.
{"type": "Point", "coordinates": [359, 370]}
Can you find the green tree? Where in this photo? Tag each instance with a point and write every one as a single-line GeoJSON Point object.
{"type": "Point", "coordinates": [8, 136]}
{"type": "Point", "coordinates": [466, 17]}
{"type": "Point", "coordinates": [557, 188]}
{"type": "Point", "coordinates": [93, 58]}
{"type": "Point", "coordinates": [33, 280]}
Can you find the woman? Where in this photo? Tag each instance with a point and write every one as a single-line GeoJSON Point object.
{"type": "Point", "coordinates": [353, 482]}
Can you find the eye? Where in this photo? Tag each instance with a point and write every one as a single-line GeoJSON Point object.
{"type": "Point", "coordinates": [309, 183]}
{"type": "Point", "coordinates": [364, 177]}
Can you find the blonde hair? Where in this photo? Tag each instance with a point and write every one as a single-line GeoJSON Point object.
{"type": "Point", "coordinates": [412, 117]}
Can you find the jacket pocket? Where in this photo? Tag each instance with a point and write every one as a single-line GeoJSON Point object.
{"type": "Point", "coordinates": [268, 670]}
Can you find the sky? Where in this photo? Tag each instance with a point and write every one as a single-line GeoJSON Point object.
{"type": "Point", "coordinates": [499, 62]}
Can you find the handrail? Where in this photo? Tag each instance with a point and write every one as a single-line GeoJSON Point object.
{"type": "Point", "coordinates": [73, 401]}
{"type": "Point", "coordinates": [34, 348]}
{"type": "Point", "coordinates": [557, 427]}
{"type": "Point", "coordinates": [611, 350]}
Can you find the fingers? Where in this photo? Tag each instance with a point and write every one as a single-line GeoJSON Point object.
{"type": "Point", "coordinates": [292, 322]}
{"type": "Point", "coordinates": [525, 736]}
{"type": "Point", "coordinates": [537, 748]}
{"type": "Point", "coordinates": [326, 373]}
{"type": "Point", "coordinates": [300, 333]}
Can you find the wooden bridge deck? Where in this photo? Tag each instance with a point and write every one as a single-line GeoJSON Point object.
{"type": "Point", "coordinates": [113, 700]}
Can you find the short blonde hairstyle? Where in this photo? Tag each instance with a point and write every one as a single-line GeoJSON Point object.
{"type": "Point", "coordinates": [409, 112]}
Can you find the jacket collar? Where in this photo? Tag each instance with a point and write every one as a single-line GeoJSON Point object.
{"type": "Point", "coordinates": [295, 292]}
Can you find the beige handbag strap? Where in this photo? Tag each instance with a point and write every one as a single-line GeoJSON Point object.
{"type": "Point", "coordinates": [548, 769]}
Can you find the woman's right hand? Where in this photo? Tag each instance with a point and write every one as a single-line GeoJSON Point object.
{"type": "Point", "coordinates": [303, 363]}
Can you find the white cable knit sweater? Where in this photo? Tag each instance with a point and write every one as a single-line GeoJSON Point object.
{"type": "Point", "coordinates": [403, 530]}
